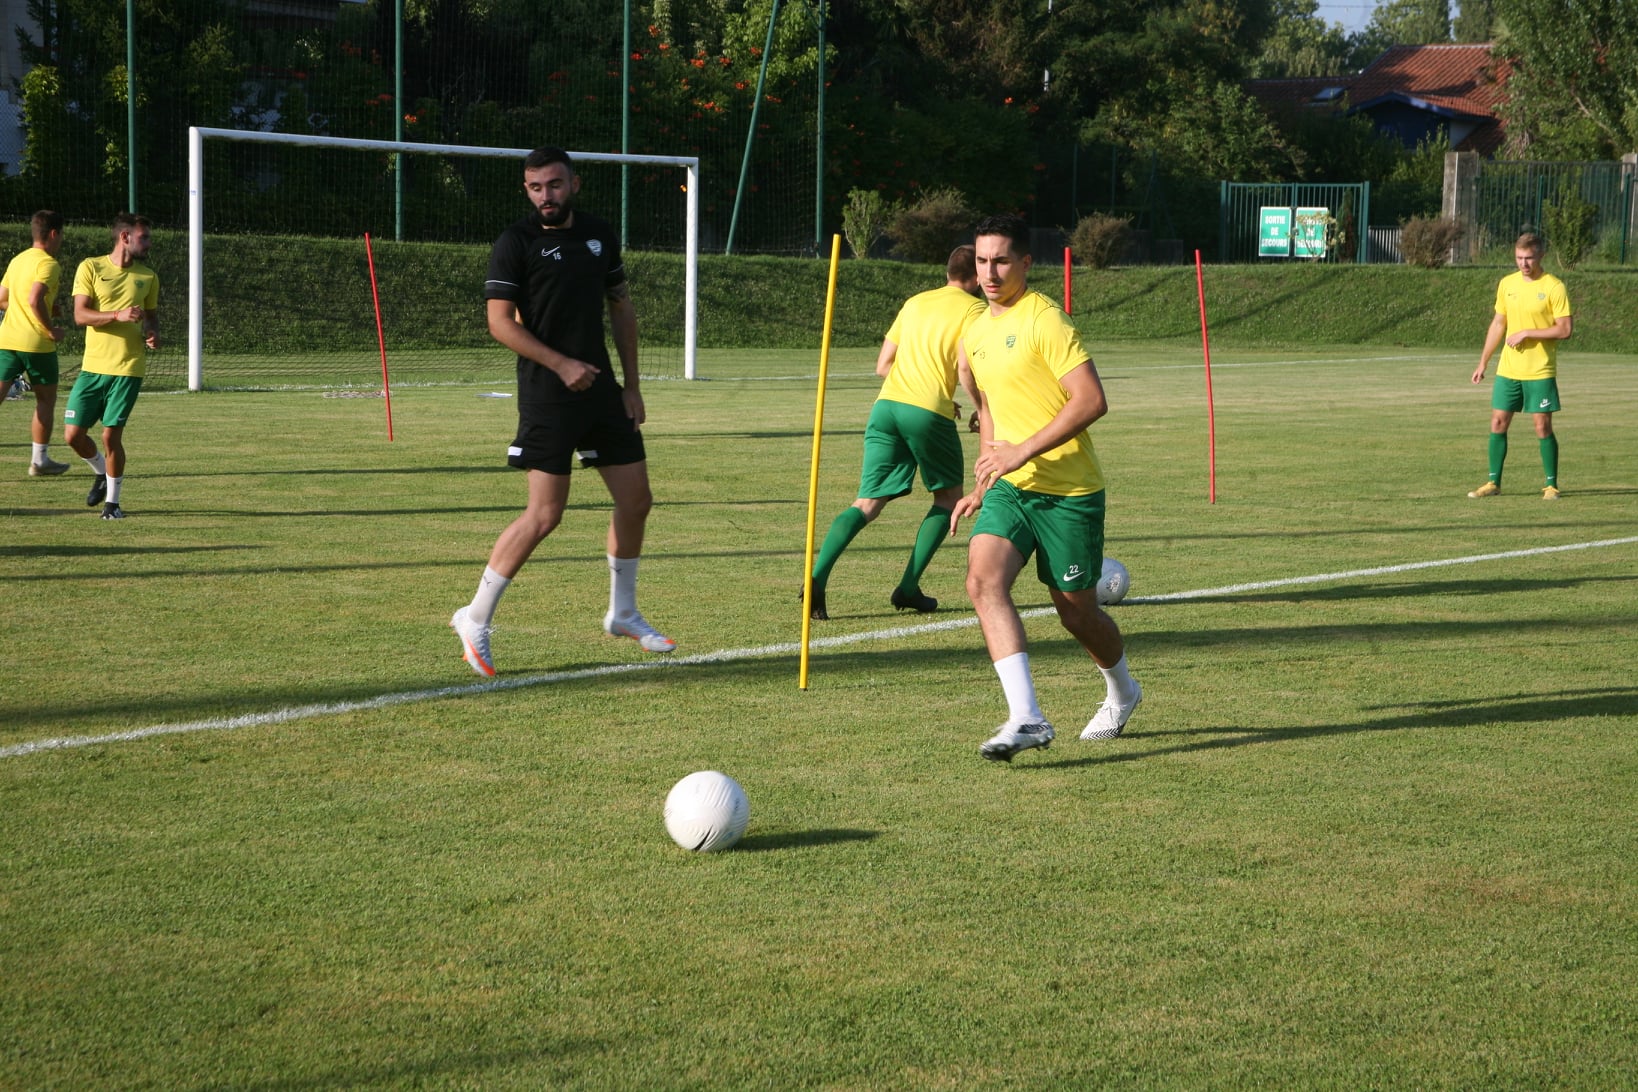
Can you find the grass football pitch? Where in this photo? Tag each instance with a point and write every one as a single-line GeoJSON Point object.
{"type": "Point", "coordinates": [1372, 826]}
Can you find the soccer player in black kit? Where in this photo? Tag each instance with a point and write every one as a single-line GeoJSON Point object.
{"type": "Point", "coordinates": [551, 275]}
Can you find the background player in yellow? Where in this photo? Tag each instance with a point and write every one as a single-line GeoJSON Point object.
{"type": "Point", "coordinates": [912, 425]}
{"type": "Point", "coordinates": [29, 333]}
{"type": "Point", "coordinates": [1039, 489]}
{"type": "Point", "coordinates": [116, 299]}
{"type": "Point", "coordinates": [1532, 317]}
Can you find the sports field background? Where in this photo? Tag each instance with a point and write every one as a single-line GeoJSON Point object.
{"type": "Point", "coordinates": [1371, 826]}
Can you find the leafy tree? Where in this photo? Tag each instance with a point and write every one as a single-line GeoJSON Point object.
{"type": "Point", "coordinates": [1411, 22]}
{"type": "Point", "coordinates": [1302, 44]}
{"type": "Point", "coordinates": [1573, 92]}
{"type": "Point", "coordinates": [1475, 21]}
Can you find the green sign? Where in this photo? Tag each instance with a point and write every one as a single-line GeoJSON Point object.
{"type": "Point", "coordinates": [1274, 235]}
{"type": "Point", "coordinates": [1310, 234]}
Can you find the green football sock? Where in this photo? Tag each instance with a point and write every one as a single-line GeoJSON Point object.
{"type": "Point", "coordinates": [935, 528]}
{"type": "Point", "coordinates": [1549, 458]}
{"type": "Point", "coordinates": [842, 531]}
{"type": "Point", "coordinates": [1498, 455]}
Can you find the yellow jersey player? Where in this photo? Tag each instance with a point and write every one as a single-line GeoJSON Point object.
{"type": "Point", "coordinates": [1532, 316]}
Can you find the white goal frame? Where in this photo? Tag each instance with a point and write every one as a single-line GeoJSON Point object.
{"type": "Point", "coordinates": [196, 218]}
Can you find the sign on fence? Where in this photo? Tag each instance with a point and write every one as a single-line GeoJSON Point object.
{"type": "Point", "coordinates": [1274, 237]}
{"type": "Point", "coordinates": [1309, 238]}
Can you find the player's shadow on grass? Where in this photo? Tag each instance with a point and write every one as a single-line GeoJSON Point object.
{"type": "Point", "coordinates": [802, 839]}
{"type": "Point", "coordinates": [1616, 701]}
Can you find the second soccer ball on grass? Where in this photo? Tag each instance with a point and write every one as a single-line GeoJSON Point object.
{"type": "Point", "coordinates": [1114, 583]}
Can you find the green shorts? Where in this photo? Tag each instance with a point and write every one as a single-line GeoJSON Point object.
{"type": "Point", "coordinates": [41, 367]}
{"type": "Point", "coordinates": [1064, 533]}
{"type": "Point", "coordinates": [106, 398]}
{"type": "Point", "coordinates": [901, 437]}
{"type": "Point", "coordinates": [1525, 395]}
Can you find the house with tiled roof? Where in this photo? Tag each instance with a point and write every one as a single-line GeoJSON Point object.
{"type": "Point", "coordinates": [1410, 93]}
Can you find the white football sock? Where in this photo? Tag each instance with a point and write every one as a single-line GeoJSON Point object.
{"type": "Point", "coordinates": [1122, 687]}
{"type": "Point", "coordinates": [42, 452]}
{"type": "Point", "coordinates": [1019, 687]}
{"type": "Point", "coordinates": [622, 585]}
{"type": "Point", "coordinates": [490, 589]}
{"type": "Point", "coordinates": [113, 490]}
{"type": "Point", "coordinates": [98, 465]}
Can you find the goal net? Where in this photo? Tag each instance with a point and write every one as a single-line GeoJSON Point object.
{"type": "Point", "coordinates": [292, 240]}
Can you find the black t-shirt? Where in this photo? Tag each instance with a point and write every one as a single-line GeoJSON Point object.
{"type": "Point", "coordinates": [557, 278]}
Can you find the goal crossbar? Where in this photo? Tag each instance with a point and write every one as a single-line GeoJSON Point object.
{"type": "Point", "coordinates": [196, 217]}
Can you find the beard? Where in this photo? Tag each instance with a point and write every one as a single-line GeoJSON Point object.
{"type": "Point", "coordinates": [557, 216]}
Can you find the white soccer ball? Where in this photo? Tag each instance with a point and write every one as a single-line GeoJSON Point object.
{"type": "Point", "coordinates": [706, 811]}
{"type": "Point", "coordinates": [1113, 583]}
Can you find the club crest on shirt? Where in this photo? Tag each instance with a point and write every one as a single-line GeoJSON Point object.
{"type": "Point", "coordinates": [1012, 340]}
{"type": "Point", "coordinates": [595, 246]}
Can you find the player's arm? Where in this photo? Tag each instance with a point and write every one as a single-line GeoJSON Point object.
{"type": "Point", "coordinates": [505, 328]}
{"type": "Point", "coordinates": [623, 329]}
{"type": "Point", "coordinates": [150, 327]}
{"type": "Point", "coordinates": [972, 502]}
{"type": "Point", "coordinates": [1560, 330]}
{"type": "Point", "coordinates": [37, 304]}
{"type": "Point", "coordinates": [885, 358]}
{"type": "Point", "coordinates": [1085, 403]}
{"type": "Point", "coordinates": [87, 314]}
{"type": "Point", "coordinates": [1492, 341]}
{"type": "Point", "coordinates": [5, 297]}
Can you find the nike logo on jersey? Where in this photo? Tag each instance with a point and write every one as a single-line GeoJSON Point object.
{"type": "Point", "coordinates": [552, 253]}
{"type": "Point", "coordinates": [1072, 573]}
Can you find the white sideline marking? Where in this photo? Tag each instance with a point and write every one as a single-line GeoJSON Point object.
{"type": "Point", "coordinates": [303, 712]}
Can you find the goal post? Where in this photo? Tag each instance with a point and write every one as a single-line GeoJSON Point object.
{"type": "Point", "coordinates": [198, 193]}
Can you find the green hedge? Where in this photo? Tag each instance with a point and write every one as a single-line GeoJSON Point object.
{"type": "Point", "coordinates": [310, 294]}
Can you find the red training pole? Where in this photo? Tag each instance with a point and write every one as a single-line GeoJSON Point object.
{"type": "Point", "coordinates": [1211, 416]}
{"type": "Point", "coordinates": [1068, 310]}
{"type": "Point", "coordinates": [381, 338]}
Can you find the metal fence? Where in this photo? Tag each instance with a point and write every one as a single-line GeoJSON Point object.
{"type": "Point", "coordinates": [1496, 200]}
{"type": "Point", "coordinates": [1321, 222]}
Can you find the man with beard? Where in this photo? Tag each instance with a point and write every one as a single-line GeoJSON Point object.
{"type": "Point", "coordinates": [551, 275]}
{"type": "Point", "coordinates": [116, 299]}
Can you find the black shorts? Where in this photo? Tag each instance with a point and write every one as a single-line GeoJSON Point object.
{"type": "Point", "coordinates": [550, 434]}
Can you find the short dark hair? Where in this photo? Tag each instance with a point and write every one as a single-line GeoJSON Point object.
{"type": "Point", "coordinates": [128, 221]}
{"type": "Point", "coordinates": [962, 266]}
{"type": "Point", "coordinates": [1010, 225]}
{"type": "Point", "coordinates": [545, 156]}
{"type": "Point", "coordinates": [1531, 241]}
{"type": "Point", "coordinates": [44, 222]}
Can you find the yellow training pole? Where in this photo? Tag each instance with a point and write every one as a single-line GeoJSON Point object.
{"type": "Point", "coordinates": [813, 468]}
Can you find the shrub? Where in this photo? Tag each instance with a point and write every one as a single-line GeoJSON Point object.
{"type": "Point", "coordinates": [1569, 223]}
{"type": "Point", "coordinates": [1426, 241]}
{"type": "Point", "coordinates": [865, 219]}
{"type": "Point", "coordinates": [1100, 240]}
{"type": "Point", "coordinates": [937, 223]}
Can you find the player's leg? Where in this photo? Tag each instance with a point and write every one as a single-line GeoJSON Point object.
{"type": "Point", "coordinates": [936, 445]}
{"type": "Point", "coordinates": [993, 564]}
{"type": "Point", "coordinates": [1001, 542]}
{"type": "Point", "coordinates": [547, 498]}
{"type": "Point", "coordinates": [43, 374]}
{"type": "Point", "coordinates": [1069, 563]}
{"type": "Point", "coordinates": [887, 472]}
{"type": "Point", "coordinates": [84, 409]}
{"type": "Point", "coordinates": [1506, 399]}
{"type": "Point", "coordinates": [633, 498]}
{"type": "Point", "coordinates": [113, 450]}
{"type": "Point", "coordinates": [1541, 396]}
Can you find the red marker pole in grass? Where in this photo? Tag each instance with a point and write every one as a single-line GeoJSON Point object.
{"type": "Point", "coordinates": [1068, 310]}
{"type": "Point", "coordinates": [381, 338]}
{"type": "Point", "coordinates": [1211, 417]}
